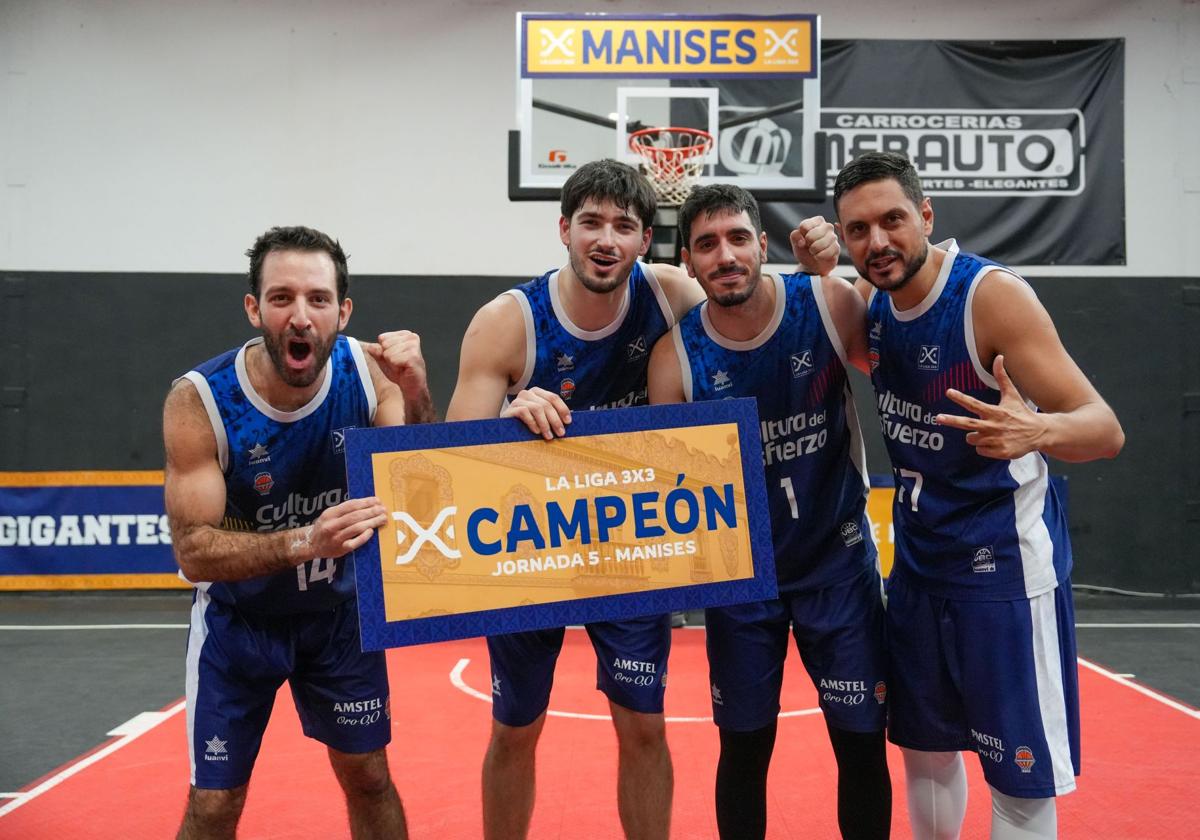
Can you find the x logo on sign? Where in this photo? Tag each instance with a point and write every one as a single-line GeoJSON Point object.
{"type": "Point", "coordinates": [550, 43]}
{"type": "Point", "coordinates": [425, 535]}
{"type": "Point", "coordinates": [784, 43]}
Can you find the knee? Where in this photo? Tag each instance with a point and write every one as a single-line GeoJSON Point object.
{"type": "Point", "coordinates": [364, 774]}
{"type": "Point", "coordinates": [510, 742]}
{"type": "Point", "coordinates": [208, 807]}
{"type": "Point", "coordinates": [640, 733]}
{"type": "Point", "coordinates": [1034, 817]}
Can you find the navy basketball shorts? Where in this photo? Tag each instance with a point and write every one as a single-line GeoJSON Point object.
{"type": "Point", "coordinates": [631, 667]}
{"type": "Point", "coordinates": [236, 662]}
{"type": "Point", "coordinates": [839, 633]}
{"type": "Point", "coordinates": [995, 677]}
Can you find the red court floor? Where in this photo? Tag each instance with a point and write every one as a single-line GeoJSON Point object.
{"type": "Point", "coordinates": [1139, 778]}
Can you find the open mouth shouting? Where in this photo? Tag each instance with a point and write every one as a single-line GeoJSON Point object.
{"type": "Point", "coordinates": [299, 352]}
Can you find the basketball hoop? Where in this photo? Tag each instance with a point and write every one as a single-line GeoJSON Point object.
{"type": "Point", "coordinates": [671, 159]}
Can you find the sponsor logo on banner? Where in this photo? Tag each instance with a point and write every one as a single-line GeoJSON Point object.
{"type": "Point", "coordinates": [984, 152]}
{"type": "Point", "coordinates": [443, 523]}
{"type": "Point", "coordinates": [668, 46]}
{"type": "Point", "coordinates": [756, 148]}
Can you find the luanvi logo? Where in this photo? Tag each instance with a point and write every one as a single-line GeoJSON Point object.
{"type": "Point", "coordinates": [960, 151]}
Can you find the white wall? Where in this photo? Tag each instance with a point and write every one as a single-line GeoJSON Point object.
{"type": "Point", "coordinates": [163, 136]}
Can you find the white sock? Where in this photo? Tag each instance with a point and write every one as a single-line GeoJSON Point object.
{"type": "Point", "coordinates": [1014, 818]}
{"type": "Point", "coordinates": [936, 784]}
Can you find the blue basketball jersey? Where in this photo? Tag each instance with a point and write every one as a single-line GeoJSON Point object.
{"type": "Point", "coordinates": [603, 368]}
{"type": "Point", "coordinates": [282, 468]}
{"type": "Point", "coordinates": [812, 447]}
{"type": "Point", "coordinates": [967, 526]}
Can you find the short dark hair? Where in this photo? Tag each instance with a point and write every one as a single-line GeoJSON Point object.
{"type": "Point", "coordinates": [711, 199]}
{"type": "Point", "coordinates": [610, 180]}
{"type": "Point", "coordinates": [879, 166]}
{"type": "Point", "coordinates": [297, 238]}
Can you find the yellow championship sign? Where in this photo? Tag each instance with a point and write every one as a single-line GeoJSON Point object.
{"type": "Point", "coordinates": [636, 512]}
{"type": "Point", "coordinates": [667, 46]}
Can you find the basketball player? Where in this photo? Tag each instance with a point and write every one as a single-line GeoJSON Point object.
{"type": "Point", "coordinates": [786, 340]}
{"type": "Point", "coordinates": [579, 337]}
{"type": "Point", "coordinates": [974, 390]}
{"type": "Point", "coordinates": [256, 495]}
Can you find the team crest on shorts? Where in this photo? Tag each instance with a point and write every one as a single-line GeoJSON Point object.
{"type": "Point", "coordinates": [1024, 759]}
{"type": "Point", "coordinates": [880, 692]}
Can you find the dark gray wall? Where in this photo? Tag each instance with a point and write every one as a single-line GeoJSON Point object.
{"type": "Point", "coordinates": [87, 359]}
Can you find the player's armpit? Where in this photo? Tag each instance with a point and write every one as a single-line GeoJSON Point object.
{"type": "Point", "coordinates": [665, 373]}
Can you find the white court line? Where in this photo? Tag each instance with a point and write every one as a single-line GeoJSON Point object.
{"type": "Point", "coordinates": [126, 733]}
{"type": "Point", "coordinates": [456, 679]}
{"type": "Point", "coordinates": [93, 626]}
{"type": "Point", "coordinates": [1153, 695]}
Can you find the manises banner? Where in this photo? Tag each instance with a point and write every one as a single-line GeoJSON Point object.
{"type": "Point", "coordinates": [1020, 144]}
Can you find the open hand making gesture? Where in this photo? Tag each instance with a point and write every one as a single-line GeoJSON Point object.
{"type": "Point", "coordinates": [1004, 431]}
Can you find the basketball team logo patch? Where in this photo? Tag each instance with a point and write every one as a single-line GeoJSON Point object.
{"type": "Point", "coordinates": [880, 692]}
{"type": "Point", "coordinates": [263, 482]}
{"type": "Point", "coordinates": [929, 357]}
{"type": "Point", "coordinates": [566, 388]}
{"type": "Point", "coordinates": [802, 364]}
{"type": "Point", "coordinates": [984, 560]}
{"type": "Point", "coordinates": [1024, 759]}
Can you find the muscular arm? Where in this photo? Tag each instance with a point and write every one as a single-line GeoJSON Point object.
{"type": "Point", "coordinates": [664, 373]}
{"type": "Point", "coordinates": [1015, 338]}
{"type": "Point", "coordinates": [848, 311]}
{"type": "Point", "coordinates": [194, 493]}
